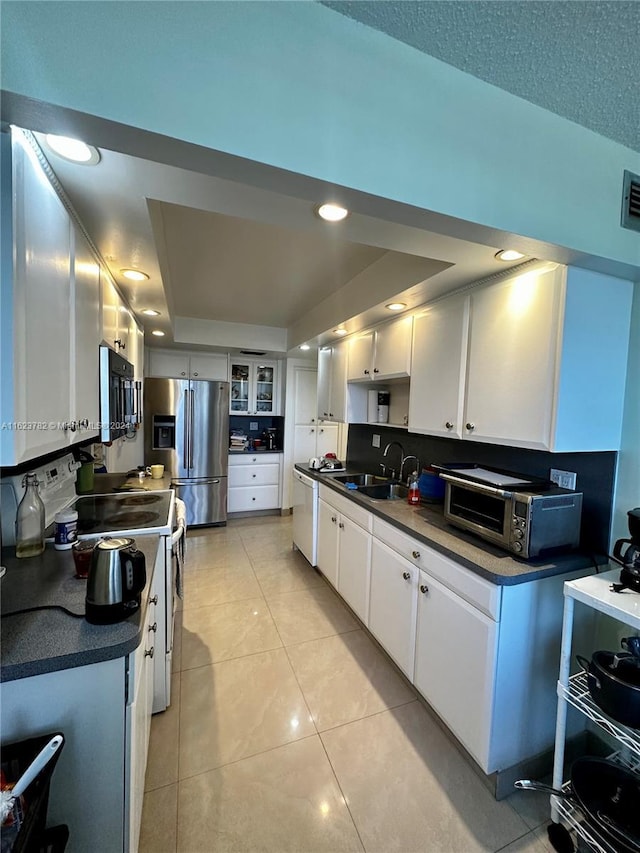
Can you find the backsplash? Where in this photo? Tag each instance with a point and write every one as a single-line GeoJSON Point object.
{"type": "Point", "coordinates": [595, 471]}
{"type": "Point", "coordinates": [244, 422]}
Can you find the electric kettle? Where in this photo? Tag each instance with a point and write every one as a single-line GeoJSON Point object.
{"type": "Point", "coordinates": [117, 576]}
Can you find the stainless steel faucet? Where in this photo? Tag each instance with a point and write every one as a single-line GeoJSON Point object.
{"type": "Point", "coordinates": [406, 459]}
{"type": "Point", "coordinates": [386, 450]}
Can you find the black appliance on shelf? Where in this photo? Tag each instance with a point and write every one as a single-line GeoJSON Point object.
{"type": "Point", "coordinates": [630, 558]}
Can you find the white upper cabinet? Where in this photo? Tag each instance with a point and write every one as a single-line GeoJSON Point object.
{"type": "Point", "coordinates": [383, 354]}
{"type": "Point", "coordinates": [254, 387]}
{"type": "Point", "coordinates": [536, 360]}
{"type": "Point", "coordinates": [176, 364]}
{"type": "Point", "coordinates": [332, 383]}
{"type": "Point", "coordinates": [86, 284]}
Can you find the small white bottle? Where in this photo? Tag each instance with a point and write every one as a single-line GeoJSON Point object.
{"type": "Point", "coordinates": [65, 529]}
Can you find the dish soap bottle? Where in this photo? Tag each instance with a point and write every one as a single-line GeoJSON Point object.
{"type": "Point", "coordinates": [413, 497]}
{"type": "Point", "coordinates": [30, 520]}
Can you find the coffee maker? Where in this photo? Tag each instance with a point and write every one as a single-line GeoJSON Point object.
{"type": "Point", "coordinates": [629, 559]}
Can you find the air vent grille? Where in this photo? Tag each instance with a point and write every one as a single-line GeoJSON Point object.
{"type": "Point", "coordinates": [631, 201]}
{"type": "Point", "coordinates": [252, 352]}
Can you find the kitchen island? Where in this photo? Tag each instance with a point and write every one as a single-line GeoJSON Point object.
{"type": "Point", "coordinates": [94, 683]}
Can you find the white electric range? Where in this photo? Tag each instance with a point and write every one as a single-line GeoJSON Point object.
{"type": "Point", "coordinates": [130, 513]}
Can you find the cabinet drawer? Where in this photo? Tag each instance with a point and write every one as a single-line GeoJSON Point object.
{"type": "Point", "coordinates": [246, 498]}
{"type": "Point", "coordinates": [254, 475]}
{"type": "Point", "coordinates": [347, 507]}
{"type": "Point", "coordinates": [239, 459]}
{"type": "Point", "coordinates": [476, 590]}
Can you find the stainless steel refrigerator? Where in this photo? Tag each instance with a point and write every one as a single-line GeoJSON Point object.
{"type": "Point", "coordinates": [186, 429]}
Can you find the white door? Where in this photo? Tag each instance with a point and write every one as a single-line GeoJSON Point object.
{"type": "Point", "coordinates": [326, 439]}
{"type": "Point", "coordinates": [338, 395]}
{"type": "Point", "coordinates": [328, 542]}
{"type": "Point", "coordinates": [393, 349]}
{"type": "Point", "coordinates": [393, 602]}
{"type": "Point", "coordinates": [212, 366]}
{"type": "Point", "coordinates": [361, 358]}
{"type": "Point", "coordinates": [455, 663]}
{"type": "Point", "coordinates": [324, 381]}
{"type": "Point", "coordinates": [354, 550]}
{"type": "Point", "coordinates": [304, 443]}
{"type": "Point", "coordinates": [305, 389]}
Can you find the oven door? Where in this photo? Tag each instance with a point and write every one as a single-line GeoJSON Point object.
{"type": "Point", "coordinates": [484, 510]}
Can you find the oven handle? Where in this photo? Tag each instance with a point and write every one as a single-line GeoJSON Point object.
{"type": "Point", "coordinates": [478, 487]}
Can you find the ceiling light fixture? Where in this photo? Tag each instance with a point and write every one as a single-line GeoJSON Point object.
{"type": "Point", "coordinates": [158, 333]}
{"type": "Point", "coordinates": [73, 150]}
{"type": "Point", "coordinates": [151, 313]}
{"type": "Point", "coordinates": [396, 306]}
{"type": "Point", "coordinates": [331, 212]}
{"type": "Point", "coordinates": [305, 346]}
{"type": "Point", "coordinates": [508, 255]}
{"type": "Point", "coordinates": [340, 331]}
{"type": "Point", "coordinates": [134, 275]}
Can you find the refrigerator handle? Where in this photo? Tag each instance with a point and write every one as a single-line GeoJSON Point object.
{"type": "Point", "coordinates": [192, 417]}
{"type": "Point", "coordinates": [186, 429]}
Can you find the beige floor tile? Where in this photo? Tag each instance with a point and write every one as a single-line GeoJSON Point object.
{"type": "Point", "coordinates": [535, 841]}
{"type": "Point", "coordinates": [532, 806]}
{"type": "Point", "coordinates": [283, 800]}
{"type": "Point", "coordinates": [345, 678]}
{"type": "Point", "coordinates": [208, 556]}
{"type": "Point", "coordinates": [286, 574]}
{"type": "Point", "coordinates": [162, 762]}
{"type": "Point", "coordinates": [217, 585]}
{"type": "Point", "coordinates": [409, 790]}
{"type": "Point", "coordinates": [225, 631]}
{"type": "Point", "coordinates": [310, 614]}
{"type": "Point", "coordinates": [158, 832]}
{"type": "Point", "coordinates": [237, 708]}
{"type": "Point", "coordinates": [176, 657]}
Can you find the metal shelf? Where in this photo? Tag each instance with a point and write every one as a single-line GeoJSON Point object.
{"type": "Point", "coordinates": [578, 695]}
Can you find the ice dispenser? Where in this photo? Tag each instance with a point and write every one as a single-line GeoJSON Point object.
{"type": "Point", "coordinates": [164, 432]}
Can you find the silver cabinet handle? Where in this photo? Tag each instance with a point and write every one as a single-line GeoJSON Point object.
{"type": "Point", "coordinates": [470, 426]}
{"type": "Point", "coordinates": [149, 653]}
{"type": "Point", "coordinates": [424, 589]}
{"type": "Point", "coordinates": [415, 555]}
{"type": "Point", "coordinates": [449, 425]}
{"type": "Point", "coordinates": [153, 600]}
{"type": "Point", "coordinates": [406, 576]}
{"type": "Point", "coordinates": [153, 627]}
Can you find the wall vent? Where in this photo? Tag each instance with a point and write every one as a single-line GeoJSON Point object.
{"type": "Point", "coordinates": [631, 201]}
{"type": "Point", "coordinates": [252, 352]}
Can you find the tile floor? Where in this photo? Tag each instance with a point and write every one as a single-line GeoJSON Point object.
{"type": "Point", "coordinates": [290, 730]}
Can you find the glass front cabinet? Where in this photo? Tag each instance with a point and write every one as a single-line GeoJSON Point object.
{"type": "Point", "coordinates": [254, 387]}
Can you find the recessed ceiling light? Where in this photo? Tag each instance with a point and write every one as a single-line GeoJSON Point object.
{"type": "Point", "coordinates": [151, 313]}
{"type": "Point", "coordinates": [331, 212]}
{"type": "Point", "coordinates": [158, 333]}
{"type": "Point", "coordinates": [73, 150]}
{"type": "Point", "coordinates": [396, 306]}
{"type": "Point", "coordinates": [508, 255]}
{"type": "Point", "coordinates": [340, 331]}
{"type": "Point", "coordinates": [305, 346]}
{"type": "Point", "coordinates": [134, 275]}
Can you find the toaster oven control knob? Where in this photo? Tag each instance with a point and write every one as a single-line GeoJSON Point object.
{"type": "Point", "coordinates": [153, 600]}
{"type": "Point", "coordinates": [517, 546]}
{"type": "Point", "coordinates": [149, 653]}
{"type": "Point", "coordinates": [470, 426]}
{"type": "Point", "coordinates": [153, 627]}
{"type": "Point", "coordinates": [518, 533]}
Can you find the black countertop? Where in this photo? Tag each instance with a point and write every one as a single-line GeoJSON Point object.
{"type": "Point", "coordinates": [426, 523]}
{"type": "Point", "coordinates": [51, 640]}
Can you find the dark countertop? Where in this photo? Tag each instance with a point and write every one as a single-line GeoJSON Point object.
{"type": "Point", "coordinates": [426, 523]}
{"type": "Point", "coordinates": [51, 640]}
{"type": "Point", "coordinates": [260, 450]}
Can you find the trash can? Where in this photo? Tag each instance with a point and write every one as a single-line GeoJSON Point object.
{"type": "Point", "coordinates": [24, 830]}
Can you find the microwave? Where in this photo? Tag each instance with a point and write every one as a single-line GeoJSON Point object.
{"type": "Point", "coordinates": [120, 396]}
{"type": "Point", "coordinates": [528, 518]}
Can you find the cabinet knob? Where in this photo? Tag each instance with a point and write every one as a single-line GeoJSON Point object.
{"type": "Point", "coordinates": [424, 589]}
{"type": "Point", "coordinates": [470, 426]}
{"type": "Point", "coordinates": [183, 373]}
{"type": "Point", "coordinates": [330, 414]}
{"type": "Point", "coordinates": [321, 430]}
{"type": "Point", "coordinates": [333, 519]}
{"type": "Point", "coordinates": [312, 430]}
{"type": "Point", "coordinates": [153, 600]}
{"type": "Point", "coordinates": [254, 476]}
{"type": "Point", "coordinates": [254, 459]}
{"type": "Point", "coordinates": [415, 555]}
{"type": "Point", "coordinates": [313, 420]}
{"type": "Point", "coordinates": [449, 425]}
{"type": "Point", "coordinates": [194, 373]}
{"type": "Point", "coordinates": [406, 576]}
{"type": "Point", "coordinates": [253, 499]}
{"type": "Point", "coordinates": [325, 414]}
{"type": "Point", "coordinates": [341, 526]}
{"type": "Point", "coordinates": [149, 653]}
{"type": "Point", "coordinates": [375, 370]}
{"type": "Point", "coordinates": [153, 627]}
{"type": "Point", "coordinates": [366, 372]}
{"type": "Point", "coordinates": [72, 425]}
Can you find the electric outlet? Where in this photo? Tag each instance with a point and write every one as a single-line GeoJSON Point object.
{"type": "Point", "coordinates": [375, 441]}
{"type": "Point", "coordinates": [253, 425]}
{"type": "Point", "coordinates": [564, 479]}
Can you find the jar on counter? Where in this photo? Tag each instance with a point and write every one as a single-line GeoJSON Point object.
{"type": "Point", "coordinates": [65, 531]}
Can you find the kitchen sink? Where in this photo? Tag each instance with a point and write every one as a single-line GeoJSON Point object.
{"type": "Point", "coordinates": [385, 491]}
{"type": "Point", "coordinates": [363, 480]}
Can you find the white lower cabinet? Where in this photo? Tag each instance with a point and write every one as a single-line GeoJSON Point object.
{"type": "Point", "coordinates": [393, 604]}
{"type": "Point", "coordinates": [455, 663]}
{"type": "Point", "coordinates": [254, 482]}
{"type": "Point", "coordinates": [328, 542]}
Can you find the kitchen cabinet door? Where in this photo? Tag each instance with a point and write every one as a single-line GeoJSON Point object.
{"type": "Point", "coordinates": [254, 387]}
{"type": "Point", "coordinates": [326, 439]}
{"type": "Point", "coordinates": [172, 365]}
{"type": "Point", "coordinates": [212, 366]}
{"type": "Point", "coordinates": [110, 309]}
{"type": "Point", "coordinates": [305, 442]}
{"type": "Point", "coordinates": [455, 664]}
{"type": "Point", "coordinates": [360, 361]}
{"type": "Point", "coordinates": [328, 542]}
{"type": "Point", "coordinates": [305, 395]}
{"type": "Point", "coordinates": [338, 392]}
{"type": "Point", "coordinates": [354, 556]}
{"type": "Point", "coordinates": [86, 284]}
{"type": "Point", "coordinates": [513, 351]}
{"type": "Point", "coordinates": [393, 604]}
{"type": "Point", "coordinates": [393, 349]}
{"type": "Point", "coordinates": [324, 381]}
{"type": "Point", "coordinates": [438, 366]}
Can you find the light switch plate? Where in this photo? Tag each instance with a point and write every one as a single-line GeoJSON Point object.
{"type": "Point", "coordinates": [564, 479]}
{"type": "Point", "coordinates": [253, 425]}
{"type": "Point", "coordinates": [375, 441]}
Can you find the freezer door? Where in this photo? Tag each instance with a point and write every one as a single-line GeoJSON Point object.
{"type": "Point", "coordinates": [208, 440]}
{"type": "Point", "coordinates": [205, 499]}
{"type": "Point", "coordinates": [166, 424]}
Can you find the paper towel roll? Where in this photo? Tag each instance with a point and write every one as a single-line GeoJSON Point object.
{"type": "Point", "coordinates": [372, 407]}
